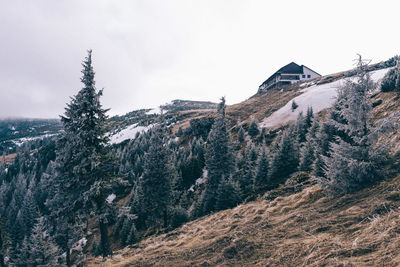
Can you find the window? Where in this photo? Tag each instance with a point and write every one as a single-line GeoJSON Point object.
{"type": "Point", "coordinates": [304, 76]}
{"type": "Point", "coordinates": [308, 76]}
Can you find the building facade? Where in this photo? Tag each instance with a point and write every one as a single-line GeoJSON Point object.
{"type": "Point", "coordinates": [291, 73]}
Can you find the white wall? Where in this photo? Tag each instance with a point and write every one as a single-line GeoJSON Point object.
{"type": "Point", "coordinates": [307, 72]}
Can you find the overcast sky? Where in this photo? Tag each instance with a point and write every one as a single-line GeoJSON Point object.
{"type": "Point", "coordinates": [146, 53]}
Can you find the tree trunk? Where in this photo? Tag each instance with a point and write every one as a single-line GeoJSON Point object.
{"type": "Point", "coordinates": [104, 242]}
{"type": "Point", "coordinates": [68, 258]}
{"type": "Point", "coordinates": [165, 215]}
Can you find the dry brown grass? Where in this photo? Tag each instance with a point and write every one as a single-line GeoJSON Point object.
{"type": "Point", "coordinates": [307, 228]}
{"type": "Point", "coordinates": [261, 105]}
{"type": "Point", "coordinates": [10, 158]}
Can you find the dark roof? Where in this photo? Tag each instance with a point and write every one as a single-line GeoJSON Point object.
{"type": "Point", "coordinates": [291, 68]}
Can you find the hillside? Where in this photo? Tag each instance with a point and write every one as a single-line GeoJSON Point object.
{"type": "Point", "coordinates": [254, 162]}
{"type": "Point", "coordinates": [307, 228]}
{"type": "Point", "coordinates": [297, 224]}
{"type": "Point", "coordinates": [15, 132]}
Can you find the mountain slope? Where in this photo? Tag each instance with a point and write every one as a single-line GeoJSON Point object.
{"type": "Point", "coordinates": [294, 225]}
{"type": "Point", "coordinates": [307, 228]}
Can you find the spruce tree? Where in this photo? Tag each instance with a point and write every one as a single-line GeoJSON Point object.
{"type": "Point", "coordinates": [301, 129]}
{"type": "Point", "coordinates": [247, 174]}
{"type": "Point", "coordinates": [285, 158]}
{"type": "Point", "coordinates": [294, 105]}
{"type": "Point", "coordinates": [309, 118]}
{"type": "Point", "coordinates": [83, 164]}
{"type": "Point", "coordinates": [227, 195]}
{"type": "Point", "coordinates": [38, 249]}
{"type": "Point", "coordinates": [253, 128]}
{"type": "Point", "coordinates": [353, 162]}
{"type": "Point", "coordinates": [261, 178]}
{"type": "Point", "coordinates": [391, 80]}
{"type": "Point", "coordinates": [219, 161]}
{"type": "Point", "coordinates": [4, 241]}
{"type": "Point", "coordinates": [308, 150]}
{"type": "Point", "coordinates": [241, 135]}
{"type": "Point", "coordinates": [307, 156]}
{"type": "Point", "coordinates": [155, 181]}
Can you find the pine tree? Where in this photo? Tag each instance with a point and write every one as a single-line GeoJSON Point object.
{"type": "Point", "coordinates": [301, 129]}
{"type": "Point", "coordinates": [261, 178]}
{"type": "Point", "coordinates": [4, 241]}
{"type": "Point", "coordinates": [180, 132]}
{"type": "Point", "coordinates": [352, 162]}
{"type": "Point", "coordinates": [307, 156]}
{"type": "Point", "coordinates": [294, 105]}
{"type": "Point", "coordinates": [253, 128]}
{"type": "Point", "coordinates": [38, 249]}
{"type": "Point", "coordinates": [285, 158]}
{"type": "Point", "coordinates": [29, 211]}
{"type": "Point", "coordinates": [156, 181]}
{"type": "Point", "coordinates": [247, 174]}
{"type": "Point", "coordinates": [309, 118]}
{"type": "Point", "coordinates": [83, 164]}
{"type": "Point", "coordinates": [308, 150]}
{"type": "Point", "coordinates": [219, 160]}
{"type": "Point", "coordinates": [241, 134]}
{"type": "Point", "coordinates": [227, 195]}
{"type": "Point", "coordinates": [391, 81]}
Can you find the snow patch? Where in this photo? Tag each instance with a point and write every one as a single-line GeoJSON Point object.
{"type": "Point", "coordinates": [21, 141]}
{"type": "Point", "coordinates": [128, 133]}
{"type": "Point", "coordinates": [79, 245]}
{"type": "Point", "coordinates": [110, 198]}
{"type": "Point", "coordinates": [318, 97]}
{"type": "Point", "coordinates": [154, 111]}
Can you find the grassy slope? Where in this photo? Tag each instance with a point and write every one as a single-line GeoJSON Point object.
{"type": "Point", "coordinates": [307, 228]}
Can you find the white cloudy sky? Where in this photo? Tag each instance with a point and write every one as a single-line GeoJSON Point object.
{"type": "Point", "coordinates": [149, 52]}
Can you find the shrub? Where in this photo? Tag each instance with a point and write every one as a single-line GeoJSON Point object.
{"type": "Point", "coordinates": [253, 129]}
{"type": "Point", "coordinates": [179, 216]}
{"type": "Point", "coordinates": [294, 105]}
{"type": "Point", "coordinates": [391, 81]}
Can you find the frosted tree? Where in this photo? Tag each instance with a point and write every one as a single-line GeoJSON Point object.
{"type": "Point", "coordinates": [307, 156]}
{"type": "Point", "coordinates": [156, 180]}
{"type": "Point", "coordinates": [4, 241]}
{"type": "Point", "coordinates": [247, 173]}
{"type": "Point", "coordinates": [353, 162]}
{"type": "Point", "coordinates": [241, 135]}
{"type": "Point", "coordinates": [301, 129]}
{"type": "Point", "coordinates": [38, 249]}
{"type": "Point", "coordinates": [308, 150]}
{"type": "Point", "coordinates": [29, 212]}
{"type": "Point", "coordinates": [219, 160]}
{"type": "Point", "coordinates": [309, 118]}
{"type": "Point", "coordinates": [83, 164]}
{"type": "Point", "coordinates": [253, 128]}
{"type": "Point", "coordinates": [391, 81]}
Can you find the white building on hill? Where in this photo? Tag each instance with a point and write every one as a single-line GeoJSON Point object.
{"type": "Point", "coordinates": [289, 74]}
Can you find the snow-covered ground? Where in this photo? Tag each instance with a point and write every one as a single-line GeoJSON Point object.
{"type": "Point", "coordinates": [156, 110]}
{"type": "Point", "coordinates": [21, 141]}
{"type": "Point", "coordinates": [318, 97]}
{"type": "Point", "coordinates": [128, 133]}
{"type": "Point", "coordinates": [111, 198]}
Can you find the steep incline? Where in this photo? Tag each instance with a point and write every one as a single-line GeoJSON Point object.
{"type": "Point", "coordinates": [307, 228]}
